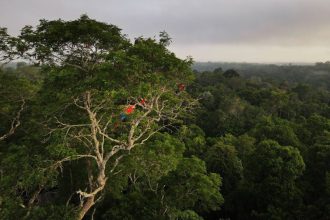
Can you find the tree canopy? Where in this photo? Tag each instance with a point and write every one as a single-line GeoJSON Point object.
{"type": "Point", "coordinates": [94, 125]}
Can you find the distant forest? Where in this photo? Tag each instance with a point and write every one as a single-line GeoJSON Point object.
{"type": "Point", "coordinates": [100, 127]}
{"type": "Point", "coordinates": [317, 74]}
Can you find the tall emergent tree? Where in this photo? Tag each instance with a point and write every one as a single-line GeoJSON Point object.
{"type": "Point", "coordinates": [102, 97]}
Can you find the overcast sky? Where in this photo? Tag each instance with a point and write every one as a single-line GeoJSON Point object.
{"type": "Point", "coordinates": [207, 30]}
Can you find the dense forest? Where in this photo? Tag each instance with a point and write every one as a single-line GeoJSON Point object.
{"type": "Point", "coordinates": [96, 126]}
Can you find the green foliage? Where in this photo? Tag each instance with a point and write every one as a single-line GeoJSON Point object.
{"type": "Point", "coordinates": [257, 146]}
{"type": "Point", "coordinates": [253, 109]}
{"type": "Point", "coordinates": [230, 73]}
{"type": "Point", "coordinates": [194, 139]}
{"type": "Point", "coordinates": [155, 159]}
{"type": "Point", "coordinates": [14, 89]}
{"type": "Point", "coordinates": [317, 174]}
{"type": "Point", "coordinates": [271, 176]}
{"type": "Point", "coordinates": [53, 212]}
{"type": "Point", "coordinates": [163, 185]}
{"type": "Point", "coordinates": [186, 215]}
{"type": "Point", "coordinates": [190, 186]}
{"type": "Point", "coordinates": [276, 129]}
{"type": "Point", "coordinates": [222, 158]}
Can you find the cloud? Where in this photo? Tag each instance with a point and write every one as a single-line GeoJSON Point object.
{"type": "Point", "coordinates": [195, 23]}
{"type": "Point", "coordinates": [255, 54]}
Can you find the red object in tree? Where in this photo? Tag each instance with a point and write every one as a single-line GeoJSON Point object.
{"type": "Point", "coordinates": [130, 109]}
{"type": "Point", "coordinates": [181, 87]}
{"type": "Point", "coordinates": [143, 101]}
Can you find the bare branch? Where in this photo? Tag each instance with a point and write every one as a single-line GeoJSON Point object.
{"type": "Point", "coordinates": [104, 144]}
{"type": "Point", "coordinates": [15, 122]}
{"type": "Point", "coordinates": [59, 163]}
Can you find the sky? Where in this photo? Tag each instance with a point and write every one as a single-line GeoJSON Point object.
{"type": "Point", "coordinates": [262, 31]}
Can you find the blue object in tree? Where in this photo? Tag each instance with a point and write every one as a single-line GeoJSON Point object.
{"type": "Point", "coordinates": [123, 116]}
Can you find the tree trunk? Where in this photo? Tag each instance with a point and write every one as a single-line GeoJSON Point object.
{"type": "Point", "coordinates": [87, 205]}
{"type": "Point", "coordinates": [101, 180]}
